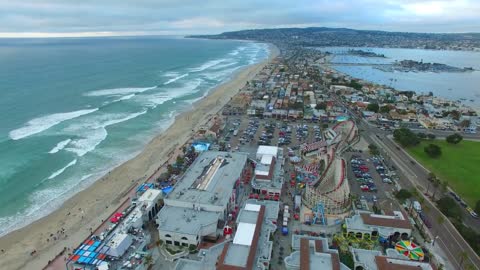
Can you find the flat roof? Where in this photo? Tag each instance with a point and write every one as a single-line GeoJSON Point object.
{"type": "Point", "coordinates": [267, 150]}
{"type": "Point", "coordinates": [235, 256]}
{"type": "Point", "coordinates": [150, 195]}
{"type": "Point", "coordinates": [184, 220]}
{"type": "Point", "coordinates": [252, 207]}
{"type": "Point", "coordinates": [210, 179]}
{"type": "Point", "coordinates": [244, 234]}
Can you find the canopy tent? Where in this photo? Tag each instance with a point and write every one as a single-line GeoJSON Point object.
{"type": "Point", "coordinates": [167, 190]}
{"type": "Point", "coordinates": [87, 253]}
{"type": "Point", "coordinates": [144, 187]}
{"type": "Point", "coordinates": [410, 250]}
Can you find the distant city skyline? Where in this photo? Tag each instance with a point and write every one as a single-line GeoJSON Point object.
{"type": "Point", "coordinates": [50, 18]}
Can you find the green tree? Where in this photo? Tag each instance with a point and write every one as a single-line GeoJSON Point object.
{"type": "Point", "coordinates": [403, 194]}
{"type": "Point", "coordinates": [433, 150]}
{"type": "Point", "coordinates": [463, 257]}
{"type": "Point", "coordinates": [373, 107]}
{"type": "Point", "coordinates": [465, 123]}
{"type": "Point", "coordinates": [454, 138]}
{"type": "Point", "coordinates": [373, 149]}
{"type": "Point", "coordinates": [431, 136]}
{"type": "Point", "coordinates": [449, 208]}
{"type": "Point", "coordinates": [321, 106]}
{"type": "Point", "coordinates": [422, 135]}
{"type": "Point", "coordinates": [406, 137]}
{"type": "Point", "coordinates": [436, 184]}
{"type": "Point", "coordinates": [477, 206]}
{"type": "Point", "coordinates": [385, 109]}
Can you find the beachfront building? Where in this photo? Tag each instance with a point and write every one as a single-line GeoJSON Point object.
{"type": "Point", "coordinates": [374, 260]}
{"type": "Point", "coordinates": [365, 224]}
{"type": "Point", "coordinates": [251, 247]}
{"type": "Point", "coordinates": [204, 199]}
{"type": "Point", "coordinates": [311, 252]}
{"type": "Point", "coordinates": [268, 177]}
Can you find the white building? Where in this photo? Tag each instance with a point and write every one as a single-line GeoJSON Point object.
{"type": "Point", "coordinates": [365, 223]}
{"type": "Point", "coordinates": [118, 244]}
{"type": "Point", "coordinates": [203, 199]}
{"type": "Point", "coordinates": [268, 178]}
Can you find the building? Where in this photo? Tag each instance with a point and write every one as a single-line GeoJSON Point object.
{"type": "Point", "coordinates": [203, 200]}
{"type": "Point", "coordinates": [251, 247]}
{"type": "Point", "coordinates": [268, 177]}
{"type": "Point", "coordinates": [374, 260]}
{"type": "Point", "coordinates": [149, 203]}
{"type": "Point", "coordinates": [367, 224]}
{"type": "Point", "coordinates": [312, 253]}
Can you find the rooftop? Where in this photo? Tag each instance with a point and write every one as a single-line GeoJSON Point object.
{"type": "Point", "coordinates": [374, 260]}
{"type": "Point", "coordinates": [313, 253]}
{"type": "Point", "coordinates": [384, 224]}
{"type": "Point", "coordinates": [185, 220]}
{"type": "Point", "coordinates": [210, 179]}
{"type": "Point", "coordinates": [251, 245]}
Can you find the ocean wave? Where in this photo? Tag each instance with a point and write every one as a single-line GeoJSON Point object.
{"type": "Point", "coordinates": [59, 146]}
{"type": "Point", "coordinates": [57, 173]}
{"type": "Point", "coordinates": [220, 75]}
{"type": "Point", "coordinates": [126, 97]}
{"type": "Point", "coordinates": [186, 88]}
{"type": "Point", "coordinates": [118, 91]}
{"type": "Point", "coordinates": [43, 123]}
{"type": "Point", "coordinates": [175, 79]}
{"type": "Point", "coordinates": [224, 65]}
{"type": "Point", "coordinates": [93, 132]}
{"type": "Point", "coordinates": [207, 65]}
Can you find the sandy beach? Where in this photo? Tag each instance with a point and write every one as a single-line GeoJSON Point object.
{"type": "Point", "coordinates": [71, 224]}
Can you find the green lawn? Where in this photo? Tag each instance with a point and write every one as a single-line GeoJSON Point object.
{"type": "Point", "coordinates": [459, 165]}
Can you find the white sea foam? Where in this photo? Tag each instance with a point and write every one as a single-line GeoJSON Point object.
{"type": "Point", "coordinates": [175, 79]}
{"type": "Point", "coordinates": [93, 132]}
{"type": "Point", "coordinates": [207, 65]}
{"type": "Point", "coordinates": [224, 65]}
{"type": "Point", "coordinates": [57, 173]}
{"type": "Point", "coordinates": [43, 123]}
{"type": "Point", "coordinates": [127, 97]}
{"type": "Point", "coordinates": [186, 88]}
{"type": "Point", "coordinates": [59, 146]}
{"type": "Point", "coordinates": [118, 91]}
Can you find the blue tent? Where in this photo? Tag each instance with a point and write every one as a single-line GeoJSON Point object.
{"type": "Point", "coordinates": [167, 190]}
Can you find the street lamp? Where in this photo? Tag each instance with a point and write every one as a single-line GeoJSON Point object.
{"type": "Point", "coordinates": [434, 239]}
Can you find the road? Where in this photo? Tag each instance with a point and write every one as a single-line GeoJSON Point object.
{"type": "Point", "coordinates": [451, 242]}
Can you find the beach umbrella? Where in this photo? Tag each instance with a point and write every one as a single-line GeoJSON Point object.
{"type": "Point", "coordinates": [410, 250]}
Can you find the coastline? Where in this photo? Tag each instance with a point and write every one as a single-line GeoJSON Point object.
{"type": "Point", "coordinates": [87, 208]}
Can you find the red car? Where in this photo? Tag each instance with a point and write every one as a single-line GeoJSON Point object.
{"type": "Point", "coordinates": [364, 169]}
{"type": "Point", "coordinates": [364, 188]}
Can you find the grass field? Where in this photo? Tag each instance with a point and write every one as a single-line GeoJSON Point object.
{"type": "Point", "coordinates": [459, 165]}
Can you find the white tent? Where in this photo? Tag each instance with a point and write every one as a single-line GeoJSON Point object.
{"type": "Point", "coordinates": [118, 244]}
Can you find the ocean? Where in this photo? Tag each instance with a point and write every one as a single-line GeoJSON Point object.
{"type": "Point", "coordinates": [455, 86]}
{"type": "Point", "coordinates": [72, 109]}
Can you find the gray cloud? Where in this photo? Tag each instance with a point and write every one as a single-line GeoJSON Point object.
{"type": "Point", "coordinates": [215, 16]}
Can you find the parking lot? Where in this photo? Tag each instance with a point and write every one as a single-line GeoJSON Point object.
{"type": "Point", "coordinates": [370, 181]}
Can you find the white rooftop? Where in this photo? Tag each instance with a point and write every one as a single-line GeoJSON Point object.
{"type": "Point", "coordinates": [150, 195]}
{"type": "Point", "coordinates": [252, 207]}
{"type": "Point", "coordinates": [266, 159]}
{"type": "Point", "coordinates": [266, 150]}
{"type": "Point", "coordinates": [244, 234]}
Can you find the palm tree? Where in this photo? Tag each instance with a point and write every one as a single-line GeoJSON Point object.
{"type": "Point", "coordinates": [463, 257]}
{"type": "Point", "coordinates": [436, 183]}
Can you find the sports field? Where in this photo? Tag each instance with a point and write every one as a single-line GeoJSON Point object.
{"type": "Point", "coordinates": [459, 165]}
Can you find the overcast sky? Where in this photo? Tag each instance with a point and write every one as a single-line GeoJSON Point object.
{"type": "Point", "coordinates": [180, 17]}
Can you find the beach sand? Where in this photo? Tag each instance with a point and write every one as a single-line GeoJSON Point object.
{"type": "Point", "coordinates": [71, 223]}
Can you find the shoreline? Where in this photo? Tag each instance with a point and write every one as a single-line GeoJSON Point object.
{"type": "Point", "coordinates": [87, 209]}
{"type": "Point", "coordinates": [330, 66]}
